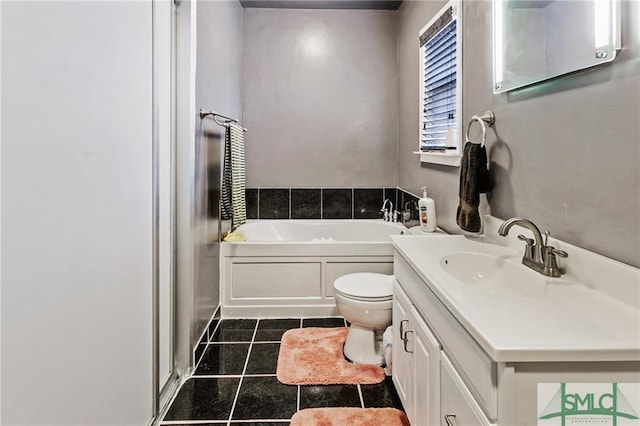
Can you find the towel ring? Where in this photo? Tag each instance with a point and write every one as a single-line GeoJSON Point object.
{"type": "Point", "coordinates": [488, 118]}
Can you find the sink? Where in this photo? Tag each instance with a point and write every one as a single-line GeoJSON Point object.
{"type": "Point", "coordinates": [500, 274]}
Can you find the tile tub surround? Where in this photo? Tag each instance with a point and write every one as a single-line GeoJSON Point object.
{"type": "Point", "coordinates": [322, 203]}
{"type": "Point", "coordinates": [367, 203]}
{"type": "Point", "coordinates": [306, 203]}
{"type": "Point", "coordinates": [235, 380]}
{"type": "Point", "coordinates": [337, 203]}
{"type": "Point", "coordinates": [408, 201]}
{"type": "Point", "coordinates": [273, 203]}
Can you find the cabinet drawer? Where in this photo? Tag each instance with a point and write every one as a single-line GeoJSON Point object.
{"type": "Point", "coordinates": [475, 366]}
{"type": "Point", "coordinates": [457, 406]}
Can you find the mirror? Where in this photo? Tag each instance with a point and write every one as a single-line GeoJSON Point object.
{"type": "Point", "coordinates": [535, 40]}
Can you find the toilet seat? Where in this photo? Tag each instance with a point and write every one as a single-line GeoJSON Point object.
{"type": "Point", "coordinates": [365, 286]}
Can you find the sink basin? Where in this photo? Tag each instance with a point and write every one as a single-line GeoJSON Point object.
{"type": "Point", "coordinates": [500, 274]}
{"type": "Point", "coordinates": [479, 267]}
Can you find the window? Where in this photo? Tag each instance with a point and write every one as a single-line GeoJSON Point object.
{"type": "Point", "coordinates": [440, 88]}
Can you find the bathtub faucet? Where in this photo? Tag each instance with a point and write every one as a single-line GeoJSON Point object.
{"type": "Point", "coordinates": [387, 214]}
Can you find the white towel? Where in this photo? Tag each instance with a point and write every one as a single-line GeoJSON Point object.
{"type": "Point", "coordinates": [387, 341]}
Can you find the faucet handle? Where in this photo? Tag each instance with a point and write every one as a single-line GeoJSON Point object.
{"type": "Point", "coordinates": [559, 253]}
{"type": "Point", "coordinates": [551, 249]}
{"type": "Point", "coordinates": [529, 241]}
{"type": "Point", "coordinates": [550, 264]}
{"type": "Point", "coordinates": [528, 250]}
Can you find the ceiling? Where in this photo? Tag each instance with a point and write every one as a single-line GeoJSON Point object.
{"type": "Point", "coordinates": [323, 4]}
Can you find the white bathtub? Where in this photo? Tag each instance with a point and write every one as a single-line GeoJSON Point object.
{"type": "Point", "coordinates": [320, 230]}
{"type": "Point", "coordinates": [287, 267]}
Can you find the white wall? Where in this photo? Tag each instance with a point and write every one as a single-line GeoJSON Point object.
{"type": "Point", "coordinates": [76, 213]}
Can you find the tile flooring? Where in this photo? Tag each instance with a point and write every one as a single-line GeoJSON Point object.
{"type": "Point", "coordinates": [235, 381]}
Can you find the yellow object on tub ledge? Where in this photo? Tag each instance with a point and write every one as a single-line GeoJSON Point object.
{"type": "Point", "coordinates": [234, 237]}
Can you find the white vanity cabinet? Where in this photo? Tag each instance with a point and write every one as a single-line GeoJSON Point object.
{"type": "Point", "coordinates": [416, 358]}
{"type": "Point", "coordinates": [430, 389]}
{"type": "Point", "coordinates": [448, 373]}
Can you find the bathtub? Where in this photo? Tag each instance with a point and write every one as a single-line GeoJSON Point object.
{"type": "Point", "coordinates": [320, 230]}
{"type": "Point", "coordinates": [286, 268]}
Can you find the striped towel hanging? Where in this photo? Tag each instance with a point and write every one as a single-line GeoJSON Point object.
{"type": "Point", "coordinates": [233, 177]}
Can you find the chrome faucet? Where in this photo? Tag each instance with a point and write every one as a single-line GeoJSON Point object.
{"type": "Point", "coordinates": [387, 214]}
{"type": "Point", "coordinates": [537, 254]}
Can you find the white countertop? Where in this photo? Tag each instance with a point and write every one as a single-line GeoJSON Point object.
{"type": "Point", "coordinates": [565, 323]}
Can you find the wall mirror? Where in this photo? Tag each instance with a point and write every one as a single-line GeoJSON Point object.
{"type": "Point", "coordinates": [535, 40]}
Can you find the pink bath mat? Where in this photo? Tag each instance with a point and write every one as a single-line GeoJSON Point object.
{"type": "Point", "coordinates": [349, 416]}
{"type": "Point", "coordinates": [313, 356]}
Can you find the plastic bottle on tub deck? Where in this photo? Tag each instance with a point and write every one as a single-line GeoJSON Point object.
{"type": "Point", "coordinates": [427, 209]}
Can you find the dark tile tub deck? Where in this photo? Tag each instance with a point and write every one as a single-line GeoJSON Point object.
{"type": "Point", "coordinates": [235, 381]}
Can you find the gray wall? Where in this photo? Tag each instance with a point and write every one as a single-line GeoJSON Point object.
{"type": "Point", "coordinates": [320, 97]}
{"type": "Point", "coordinates": [76, 213]}
{"type": "Point", "coordinates": [208, 76]}
{"type": "Point", "coordinates": [564, 154]}
{"type": "Point", "coordinates": [218, 87]}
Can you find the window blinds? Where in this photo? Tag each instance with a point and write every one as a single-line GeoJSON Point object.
{"type": "Point", "coordinates": [439, 57]}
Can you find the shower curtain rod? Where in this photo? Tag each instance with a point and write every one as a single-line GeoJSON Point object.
{"type": "Point", "coordinates": [214, 114]}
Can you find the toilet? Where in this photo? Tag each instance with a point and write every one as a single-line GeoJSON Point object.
{"type": "Point", "coordinates": [365, 300]}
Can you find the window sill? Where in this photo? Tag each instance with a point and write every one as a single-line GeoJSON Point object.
{"type": "Point", "coordinates": [441, 158]}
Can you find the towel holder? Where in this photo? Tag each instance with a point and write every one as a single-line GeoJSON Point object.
{"type": "Point", "coordinates": [486, 119]}
{"type": "Point", "coordinates": [215, 115]}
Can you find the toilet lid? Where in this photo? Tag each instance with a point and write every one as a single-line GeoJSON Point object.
{"type": "Point", "coordinates": [365, 285]}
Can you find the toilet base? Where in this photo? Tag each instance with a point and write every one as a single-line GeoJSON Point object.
{"type": "Point", "coordinates": [364, 346]}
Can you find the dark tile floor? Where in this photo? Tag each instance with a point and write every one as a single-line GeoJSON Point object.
{"type": "Point", "coordinates": [235, 381]}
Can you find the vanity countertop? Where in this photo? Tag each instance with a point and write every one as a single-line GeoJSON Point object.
{"type": "Point", "coordinates": [567, 321]}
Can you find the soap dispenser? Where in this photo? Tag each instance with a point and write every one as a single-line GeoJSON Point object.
{"type": "Point", "coordinates": [427, 208]}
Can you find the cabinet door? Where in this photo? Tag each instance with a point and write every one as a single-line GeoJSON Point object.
{"type": "Point", "coordinates": [457, 406]}
{"type": "Point", "coordinates": [402, 370]}
{"type": "Point", "coordinates": [426, 362]}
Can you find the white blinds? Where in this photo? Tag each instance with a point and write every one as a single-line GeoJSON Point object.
{"type": "Point", "coordinates": [439, 56]}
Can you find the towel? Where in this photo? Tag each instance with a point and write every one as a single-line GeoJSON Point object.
{"type": "Point", "coordinates": [234, 205]}
{"type": "Point", "coordinates": [474, 179]}
{"type": "Point", "coordinates": [387, 342]}
{"type": "Point", "coordinates": [234, 236]}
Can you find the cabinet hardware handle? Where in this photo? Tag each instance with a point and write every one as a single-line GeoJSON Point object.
{"type": "Point", "coordinates": [449, 418]}
{"type": "Point", "coordinates": [405, 340]}
{"type": "Point", "coordinates": [402, 332]}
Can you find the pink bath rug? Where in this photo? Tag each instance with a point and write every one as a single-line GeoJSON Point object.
{"type": "Point", "coordinates": [313, 356]}
{"type": "Point", "coordinates": [349, 416]}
